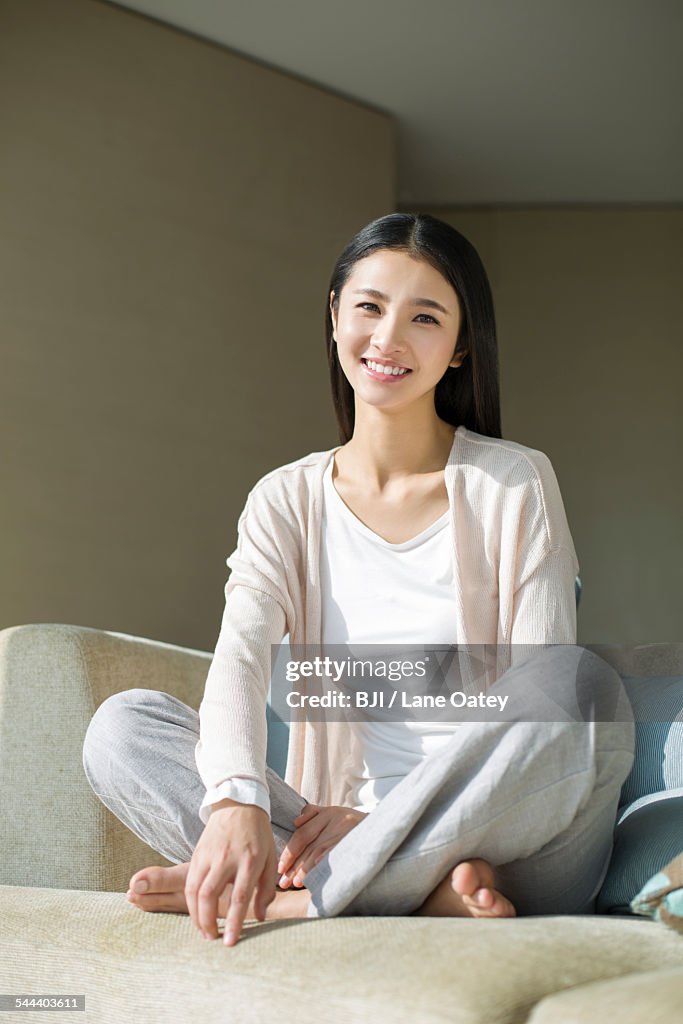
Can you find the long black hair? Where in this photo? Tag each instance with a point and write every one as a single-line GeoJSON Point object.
{"type": "Point", "coordinates": [467, 394]}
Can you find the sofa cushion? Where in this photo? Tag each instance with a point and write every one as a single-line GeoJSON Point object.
{"type": "Point", "coordinates": [657, 703]}
{"type": "Point", "coordinates": [53, 677]}
{"type": "Point", "coordinates": [652, 996]}
{"type": "Point", "coordinates": [132, 965]}
{"type": "Point", "coordinates": [648, 835]}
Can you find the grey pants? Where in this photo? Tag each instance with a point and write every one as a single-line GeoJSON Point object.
{"type": "Point", "coordinates": [538, 799]}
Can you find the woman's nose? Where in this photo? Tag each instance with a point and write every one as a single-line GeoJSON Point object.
{"type": "Point", "coordinates": [388, 338]}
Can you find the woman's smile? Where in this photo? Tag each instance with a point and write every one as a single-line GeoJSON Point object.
{"type": "Point", "coordinates": [392, 375]}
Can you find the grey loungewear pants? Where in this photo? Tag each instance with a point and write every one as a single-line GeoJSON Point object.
{"type": "Point", "coordinates": [538, 799]}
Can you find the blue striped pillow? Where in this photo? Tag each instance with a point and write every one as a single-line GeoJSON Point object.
{"type": "Point", "coordinates": [657, 704]}
{"type": "Point", "coordinates": [649, 830]}
{"type": "Point", "coordinates": [648, 835]}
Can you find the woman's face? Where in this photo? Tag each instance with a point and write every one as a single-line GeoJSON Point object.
{"type": "Point", "coordinates": [412, 324]}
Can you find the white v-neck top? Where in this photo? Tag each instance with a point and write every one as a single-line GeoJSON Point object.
{"type": "Point", "coordinates": [375, 592]}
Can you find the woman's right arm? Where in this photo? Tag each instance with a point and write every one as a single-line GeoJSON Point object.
{"type": "Point", "coordinates": [235, 847]}
{"type": "Point", "coordinates": [233, 729]}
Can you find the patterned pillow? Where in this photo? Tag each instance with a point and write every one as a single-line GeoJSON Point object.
{"type": "Point", "coordinates": [648, 834]}
{"type": "Point", "coordinates": [657, 703]}
{"type": "Point", "coordinates": [649, 830]}
{"type": "Point", "coordinates": [662, 897]}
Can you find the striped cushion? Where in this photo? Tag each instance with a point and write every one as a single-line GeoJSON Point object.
{"type": "Point", "coordinates": [649, 831]}
{"type": "Point", "coordinates": [648, 835]}
{"type": "Point", "coordinates": [657, 704]}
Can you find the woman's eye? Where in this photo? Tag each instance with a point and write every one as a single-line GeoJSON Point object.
{"type": "Point", "coordinates": [374, 305]}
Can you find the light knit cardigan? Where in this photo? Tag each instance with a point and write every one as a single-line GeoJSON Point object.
{"type": "Point", "coordinates": [514, 565]}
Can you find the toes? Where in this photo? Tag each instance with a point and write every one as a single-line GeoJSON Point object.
{"type": "Point", "coordinates": [158, 879]}
{"type": "Point", "coordinates": [500, 906]}
{"type": "Point", "coordinates": [140, 881]}
{"type": "Point", "coordinates": [473, 880]}
{"type": "Point", "coordinates": [489, 903]}
{"type": "Point", "coordinates": [503, 906]}
{"type": "Point", "coordinates": [483, 898]}
{"type": "Point", "coordinates": [168, 901]}
{"type": "Point", "coordinates": [470, 876]}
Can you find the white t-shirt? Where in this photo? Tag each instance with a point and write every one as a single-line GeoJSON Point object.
{"type": "Point", "coordinates": [374, 592]}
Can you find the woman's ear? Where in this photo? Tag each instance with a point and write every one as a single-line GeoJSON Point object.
{"type": "Point", "coordinates": [459, 358]}
{"type": "Point", "coordinates": [333, 315]}
{"type": "Point", "coordinates": [462, 349]}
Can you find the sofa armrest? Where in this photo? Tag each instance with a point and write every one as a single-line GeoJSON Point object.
{"type": "Point", "coordinates": [54, 832]}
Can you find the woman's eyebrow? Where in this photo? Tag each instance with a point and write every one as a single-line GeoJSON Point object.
{"type": "Point", "coordinates": [415, 302]}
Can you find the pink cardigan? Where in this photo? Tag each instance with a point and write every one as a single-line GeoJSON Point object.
{"type": "Point", "coordinates": [514, 563]}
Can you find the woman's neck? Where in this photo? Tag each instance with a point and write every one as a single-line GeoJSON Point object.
{"type": "Point", "coordinates": [385, 452]}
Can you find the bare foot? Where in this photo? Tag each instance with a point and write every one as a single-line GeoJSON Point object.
{"type": "Point", "coordinates": [467, 891]}
{"type": "Point", "coordinates": [166, 894]}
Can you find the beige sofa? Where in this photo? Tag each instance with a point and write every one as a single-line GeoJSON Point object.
{"type": "Point", "coordinates": [67, 928]}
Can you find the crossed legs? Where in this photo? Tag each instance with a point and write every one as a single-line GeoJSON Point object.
{"type": "Point", "coordinates": [524, 808]}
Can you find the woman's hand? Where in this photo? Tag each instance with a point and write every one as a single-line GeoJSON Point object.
{"type": "Point", "coordinates": [236, 851]}
{"type": "Point", "coordinates": [318, 829]}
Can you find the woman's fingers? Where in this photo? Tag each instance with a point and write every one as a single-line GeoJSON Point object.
{"type": "Point", "coordinates": [301, 839]}
{"type": "Point", "coordinates": [325, 825]}
{"type": "Point", "coordinates": [313, 853]}
{"type": "Point", "coordinates": [203, 886]}
{"type": "Point", "coordinates": [265, 889]}
{"type": "Point", "coordinates": [329, 826]}
{"type": "Point", "coordinates": [235, 849]}
{"type": "Point", "coordinates": [214, 885]}
{"type": "Point", "coordinates": [239, 902]}
{"type": "Point", "coordinates": [191, 893]}
{"type": "Point", "coordinates": [295, 863]}
{"type": "Point", "coordinates": [308, 862]}
{"type": "Point", "coordinates": [308, 812]}
{"type": "Point", "coordinates": [195, 879]}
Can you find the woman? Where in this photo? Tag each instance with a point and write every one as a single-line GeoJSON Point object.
{"type": "Point", "coordinates": [422, 526]}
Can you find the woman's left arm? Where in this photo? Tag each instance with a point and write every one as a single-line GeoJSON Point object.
{"type": "Point", "coordinates": [544, 605]}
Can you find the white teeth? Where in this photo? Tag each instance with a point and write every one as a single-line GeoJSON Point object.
{"type": "Point", "coordinates": [388, 370]}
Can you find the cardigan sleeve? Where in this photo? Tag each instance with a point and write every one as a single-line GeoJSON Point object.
{"type": "Point", "coordinates": [232, 714]}
{"type": "Point", "coordinates": [543, 598]}
{"type": "Point", "coordinates": [544, 605]}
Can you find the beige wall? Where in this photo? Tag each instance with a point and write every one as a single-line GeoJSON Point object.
{"type": "Point", "coordinates": [170, 216]}
{"type": "Point", "coordinates": [589, 309]}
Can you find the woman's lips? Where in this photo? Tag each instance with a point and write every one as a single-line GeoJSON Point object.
{"type": "Point", "coordinates": [390, 378]}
